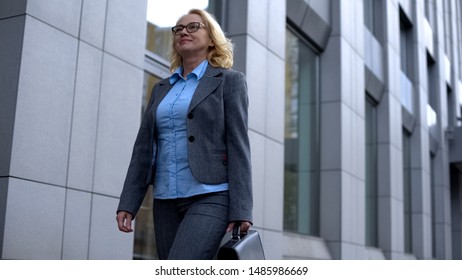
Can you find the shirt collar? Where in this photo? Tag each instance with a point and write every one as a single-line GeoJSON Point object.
{"type": "Point", "coordinates": [199, 71]}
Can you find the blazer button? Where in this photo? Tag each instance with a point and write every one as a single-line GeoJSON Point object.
{"type": "Point", "coordinates": [191, 138]}
{"type": "Point", "coordinates": [190, 116]}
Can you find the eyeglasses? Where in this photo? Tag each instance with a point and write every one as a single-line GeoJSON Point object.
{"type": "Point", "coordinates": [190, 27]}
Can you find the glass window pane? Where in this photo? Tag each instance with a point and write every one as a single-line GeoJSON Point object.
{"type": "Point", "coordinates": [369, 14]}
{"type": "Point", "coordinates": [371, 174]}
{"type": "Point", "coordinates": [301, 187]}
{"type": "Point", "coordinates": [158, 40]}
{"type": "Point", "coordinates": [407, 192]}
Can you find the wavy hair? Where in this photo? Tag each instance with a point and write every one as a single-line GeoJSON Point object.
{"type": "Point", "coordinates": [219, 55]}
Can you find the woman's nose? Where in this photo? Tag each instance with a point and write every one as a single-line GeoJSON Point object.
{"type": "Point", "coordinates": [182, 32]}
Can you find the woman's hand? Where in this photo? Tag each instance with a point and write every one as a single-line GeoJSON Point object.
{"type": "Point", "coordinates": [124, 221]}
{"type": "Point", "coordinates": [244, 228]}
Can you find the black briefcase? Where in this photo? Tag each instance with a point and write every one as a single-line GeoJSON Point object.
{"type": "Point", "coordinates": [242, 247]}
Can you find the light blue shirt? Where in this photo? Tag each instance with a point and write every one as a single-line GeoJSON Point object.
{"type": "Point", "coordinates": [173, 178]}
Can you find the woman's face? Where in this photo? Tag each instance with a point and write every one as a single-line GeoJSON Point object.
{"type": "Point", "coordinates": [194, 44]}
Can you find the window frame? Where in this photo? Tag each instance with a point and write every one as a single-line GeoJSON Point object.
{"type": "Point", "coordinates": [312, 222]}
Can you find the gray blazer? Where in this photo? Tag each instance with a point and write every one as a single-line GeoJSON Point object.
{"type": "Point", "coordinates": [218, 143]}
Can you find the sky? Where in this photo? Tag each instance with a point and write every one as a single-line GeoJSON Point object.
{"type": "Point", "coordinates": [166, 13]}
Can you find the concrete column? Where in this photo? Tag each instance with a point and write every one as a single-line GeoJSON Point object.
{"type": "Point", "coordinates": [442, 217]}
{"type": "Point", "coordinates": [257, 29]}
{"type": "Point", "coordinates": [343, 133]}
{"type": "Point", "coordinates": [390, 165]}
{"type": "Point", "coordinates": [421, 206]}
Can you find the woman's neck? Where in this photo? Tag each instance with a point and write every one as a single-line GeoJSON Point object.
{"type": "Point", "coordinates": [189, 64]}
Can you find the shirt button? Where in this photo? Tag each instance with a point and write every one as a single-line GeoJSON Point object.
{"type": "Point", "coordinates": [190, 115]}
{"type": "Point", "coordinates": [191, 138]}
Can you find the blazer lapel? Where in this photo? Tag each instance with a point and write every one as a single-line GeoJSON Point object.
{"type": "Point", "coordinates": [162, 91]}
{"type": "Point", "coordinates": [209, 82]}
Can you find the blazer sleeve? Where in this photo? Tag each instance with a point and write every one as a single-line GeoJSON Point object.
{"type": "Point", "coordinates": [136, 181]}
{"type": "Point", "coordinates": [239, 160]}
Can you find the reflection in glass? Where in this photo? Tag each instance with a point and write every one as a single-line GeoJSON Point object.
{"type": "Point", "coordinates": [159, 40]}
{"type": "Point", "coordinates": [301, 173]}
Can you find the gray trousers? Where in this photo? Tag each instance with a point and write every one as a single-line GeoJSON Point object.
{"type": "Point", "coordinates": [190, 228]}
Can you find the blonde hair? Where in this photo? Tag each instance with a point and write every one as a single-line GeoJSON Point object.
{"type": "Point", "coordinates": [220, 54]}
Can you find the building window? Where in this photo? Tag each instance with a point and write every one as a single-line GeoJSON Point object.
{"type": "Point", "coordinates": [406, 55]}
{"type": "Point", "coordinates": [373, 14]}
{"type": "Point", "coordinates": [301, 170]}
{"type": "Point", "coordinates": [161, 16]}
{"type": "Point", "coordinates": [407, 199]}
{"type": "Point", "coordinates": [369, 14]}
{"type": "Point", "coordinates": [405, 43]}
{"type": "Point", "coordinates": [451, 107]}
{"type": "Point", "coordinates": [459, 34]}
{"type": "Point", "coordinates": [430, 12]}
{"type": "Point", "coordinates": [371, 173]}
{"type": "Point", "coordinates": [447, 28]}
{"type": "Point", "coordinates": [432, 83]}
{"type": "Point", "coordinates": [433, 100]}
{"type": "Point", "coordinates": [158, 37]}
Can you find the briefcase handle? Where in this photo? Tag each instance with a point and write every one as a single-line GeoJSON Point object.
{"type": "Point", "coordinates": [237, 232]}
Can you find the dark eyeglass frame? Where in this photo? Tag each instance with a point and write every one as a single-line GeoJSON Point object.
{"type": "Point", "coordinates": [190, 27]}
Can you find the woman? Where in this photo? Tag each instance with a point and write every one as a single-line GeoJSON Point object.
{"type": "Point", "coordinates": [193, 147]}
